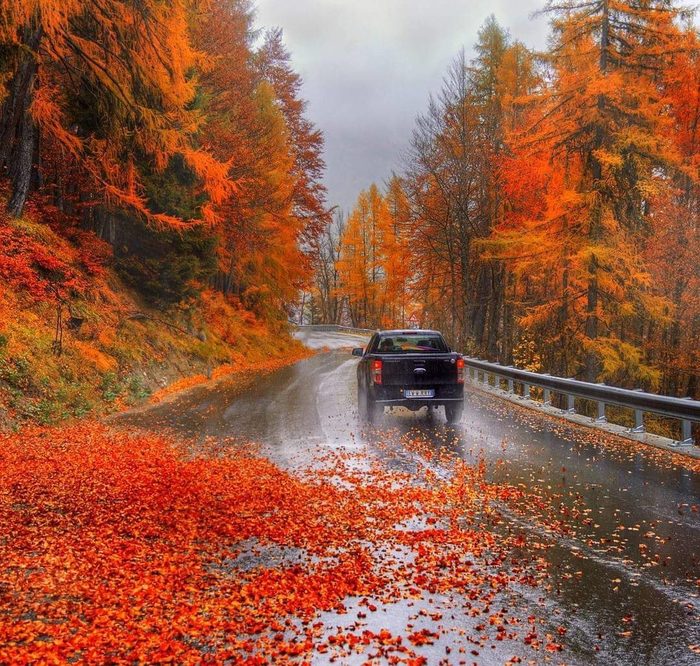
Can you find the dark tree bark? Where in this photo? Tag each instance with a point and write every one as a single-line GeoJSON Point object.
{"type": "Point", "coordinates": [18, 132]}
{"type": "Point", "coordinates": [497, 299]}
{"type": "Point", "coordinates": [21, 166]}
{"type": "Point", "coordinates": [481, 298]}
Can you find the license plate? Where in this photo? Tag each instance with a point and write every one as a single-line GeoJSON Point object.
{"type": "Point", "coordinates": [419, 393]}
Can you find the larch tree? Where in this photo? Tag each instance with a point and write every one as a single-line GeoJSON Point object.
{"type": "Point", "coordinates": [108, 83]}
{"type": "Point", "coordinates": [327, 289]}
{"type": "Point", "coordinates": [441, 179]}
{"type": "Point", "coordinates": [454, 185]}
{"type": "Point", "coordinates": [398, 264]}
{"type": "Point", "coordinates": [254, 121]}
{"type": "Point", "coordinates": [306, 141]}
{"type": "Point", "coordinates": [354, 258]}
{"type": "Point", "coordinates": [364, 260]}
{"type": "Point", "coordinates": [604, 127]}
{"type": "Point", "coordinates": [672, 250]}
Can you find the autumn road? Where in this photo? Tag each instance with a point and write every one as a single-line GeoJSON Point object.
{"type": "Point", "coordinates": [618, 526]}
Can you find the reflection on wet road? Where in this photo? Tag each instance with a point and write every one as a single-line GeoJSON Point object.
{"type": "Point", "coordinates": [625, 568]}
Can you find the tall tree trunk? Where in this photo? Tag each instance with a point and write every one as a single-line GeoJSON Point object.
{"type": "Point", "coordinates": [496, 300]}
{"type": "Point", "coordinates": [18, 133]}
{"type": "Point", "coordinates": [481, 297]}
{"type": "Point", "coordinates": [466, 287]}
{"type": "Point", "coordinates": [21, 167]}
{"type": "Point", "coordinates": [301, 310]}
{"type": "Point", "coordinates": [509, 316]}
{"type": "Point", "coordinates": [592, 362]}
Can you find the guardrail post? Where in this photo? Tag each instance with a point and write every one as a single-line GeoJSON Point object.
{"type": "Point", "coordinates": [546, 393]}
{"type": "Point", "coordinates": [638, 419]}
{"type": "Point", "coordinates": [686, 433]}
{"type": "Point", "coordinates": [601, 417]}
{"type": "Point", "coordinates": [570, 407]}
{"type": "Point", "coordinates": [510, 382]}
{"type": "Point", "coordinates": [526, 391]}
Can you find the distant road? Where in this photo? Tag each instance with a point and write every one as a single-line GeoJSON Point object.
{"type": "Point", "coordinates": [330, 339]}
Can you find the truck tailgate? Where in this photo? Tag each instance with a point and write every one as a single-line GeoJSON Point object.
{"type": "Point", "coordinates": [419, 370]}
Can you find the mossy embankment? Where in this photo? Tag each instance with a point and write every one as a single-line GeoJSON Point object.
{"type": "Point", "coordinates": [75, 340]}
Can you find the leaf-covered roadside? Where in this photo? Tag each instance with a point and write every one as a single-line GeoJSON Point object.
{"type": "Point", "coordinates": [119, 349]}
{"type": "Point", "coordinates": [240, 373]}
{"type": "Point", "coordinates": [128, 547]}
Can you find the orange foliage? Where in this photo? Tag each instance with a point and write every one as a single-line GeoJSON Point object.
{"type": "Point", "coordinates": [371, 265]}
{"type": "Point", "coordinates": [172, 113]}
{"type": "Point", "coordinates": [136, 62]}
{"type": "Point", "coordinates": [28, 265]}
{"type": "Point", "coordinates": [253, 120]}
{"type": "Point", "coordinates": [127, 547]}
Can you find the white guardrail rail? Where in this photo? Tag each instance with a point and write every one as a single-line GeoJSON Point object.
{"type": "Point", "coordinates": [685, 410]}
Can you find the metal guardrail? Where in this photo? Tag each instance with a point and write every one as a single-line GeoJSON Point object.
{"type": "Point", "coordinates": [334, 327]}
{"type": "Point", "coordinates": [686, 410]}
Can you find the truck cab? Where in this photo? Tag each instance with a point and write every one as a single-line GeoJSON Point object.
{"type": "Point", "coordinates": [409, 368]}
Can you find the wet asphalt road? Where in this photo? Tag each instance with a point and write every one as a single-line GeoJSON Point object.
{"type": "Point", "coordinates": [625, 576]}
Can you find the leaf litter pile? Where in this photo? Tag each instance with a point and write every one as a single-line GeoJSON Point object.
{"type": "Point", "coordinates": [129, 547]}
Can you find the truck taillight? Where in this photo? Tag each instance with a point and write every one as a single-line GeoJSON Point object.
{"type": "Point", "coordinates": [460, 371]}
{"type": "Point", "coordinates": [377, 371]}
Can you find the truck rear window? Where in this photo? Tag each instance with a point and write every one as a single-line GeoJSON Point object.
{"type": "Point", "coordinates": [411, 343]}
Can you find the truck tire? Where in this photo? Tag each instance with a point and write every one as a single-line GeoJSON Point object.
{"type": "Point", "coordinates": [361, 404]}
{"type": "Point", "coordinates": [367, 408]}
{"type": "Point", "coordinates": [454, 411]}
{"type": "Point", "coordinates": [374, 411]}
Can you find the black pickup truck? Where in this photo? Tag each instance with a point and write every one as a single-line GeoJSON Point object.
{"type": "Point", "coordinates": [412, 369]}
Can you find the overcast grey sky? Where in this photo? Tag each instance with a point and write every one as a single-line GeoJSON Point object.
{"type": "Point", "coordinates": [369, 66]}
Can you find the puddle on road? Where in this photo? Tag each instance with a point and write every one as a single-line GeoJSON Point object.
{"type": "Point", "coordinates": [252, 554]}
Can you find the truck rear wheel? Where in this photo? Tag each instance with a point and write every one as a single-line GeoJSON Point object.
{"type": "Point", "coordinates": [368, 409]}
{"type": "Point", "coordinates": [374, 411]}
{"type": "Point", "coordinates": [454, 411]}
{"type": "Point", "coordinates": [361, 404]}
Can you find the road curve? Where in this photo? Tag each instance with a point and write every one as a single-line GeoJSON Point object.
{"type": "Point", "coordinates": [629, 568]}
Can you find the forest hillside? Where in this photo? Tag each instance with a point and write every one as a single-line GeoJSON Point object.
{"type": "Point", "coordinates": [160, 188]}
